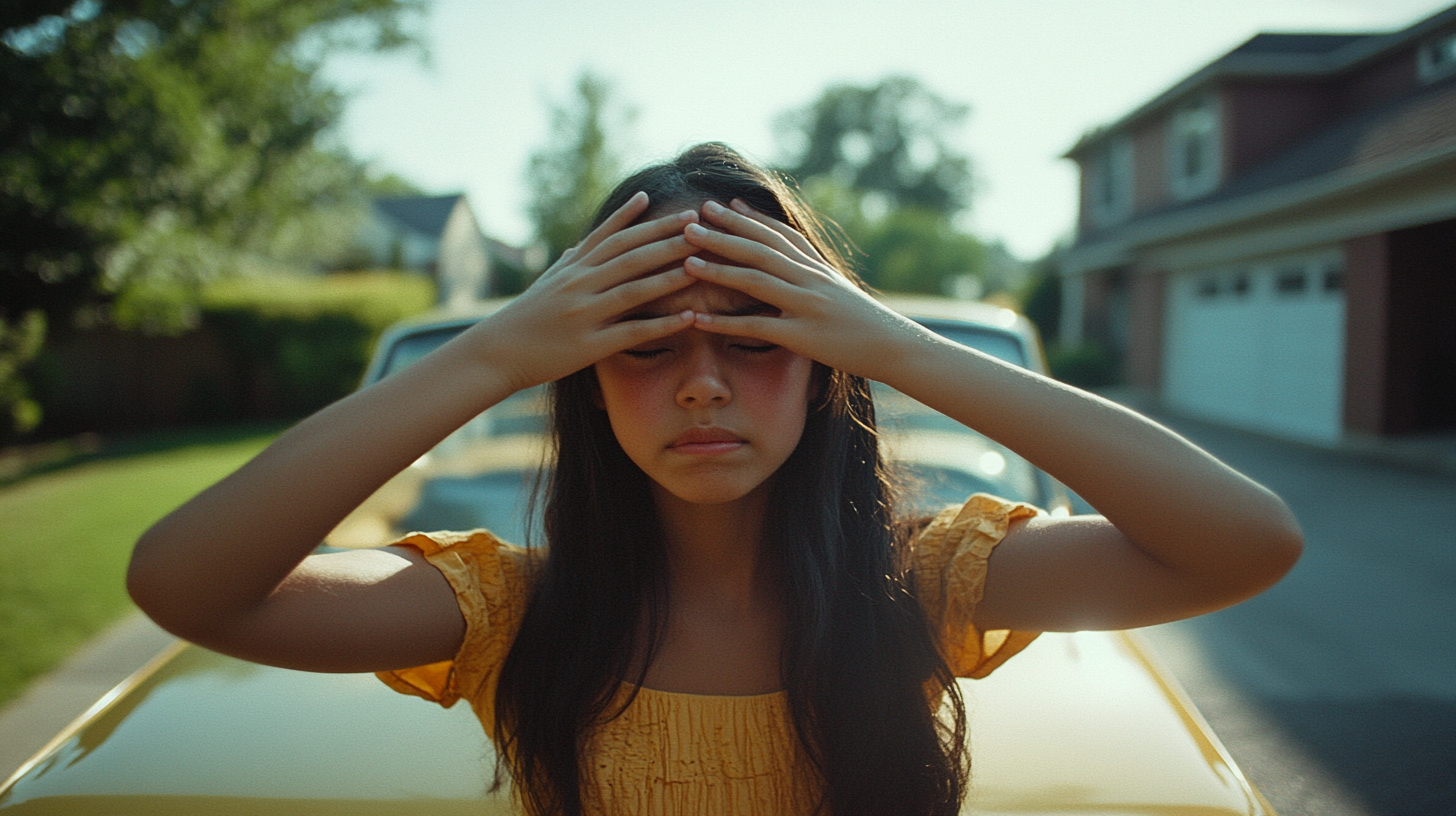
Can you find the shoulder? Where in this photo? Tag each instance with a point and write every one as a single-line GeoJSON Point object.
{"type": "Point", "coordinates": [966, 533]}
{"type": "Point", "coordinates": [492, 581]}
{"type": "Point", "coordinates": [949, 562]}
{"type": "Point", "coordinates": [478, 559]}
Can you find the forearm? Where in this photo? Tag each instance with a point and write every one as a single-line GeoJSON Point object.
{"type": "Point", "coordinates": [228, 548]}
{"type": "Point", "coordinates": [1184, 508]}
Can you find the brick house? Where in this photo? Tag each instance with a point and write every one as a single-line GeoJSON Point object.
{"type": "Point", "coordinates": [1271, 243]}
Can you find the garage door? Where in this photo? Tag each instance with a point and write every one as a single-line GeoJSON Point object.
{"type": "Point", "coordinates": [1260, 347]}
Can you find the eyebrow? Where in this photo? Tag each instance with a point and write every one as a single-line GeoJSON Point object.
{"type": "Point", "coordinates": [757, 307]}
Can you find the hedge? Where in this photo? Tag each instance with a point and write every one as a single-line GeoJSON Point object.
{"type": "Point", "coordinates": [303, 340]}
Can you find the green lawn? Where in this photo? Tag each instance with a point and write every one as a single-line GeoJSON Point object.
{"type": "Point", "coordinates": [66, 534]}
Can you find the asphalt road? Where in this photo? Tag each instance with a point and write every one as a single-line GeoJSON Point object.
{"type": "Point", "coordinates": [1336, 689]}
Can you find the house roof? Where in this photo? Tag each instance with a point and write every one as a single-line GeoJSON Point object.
{"type": "Point", "coordinates": [1271, 55]}
{"type": "Point", "coordinates": [1370, 144]}
{"type": "Point", "coordinates": [426, 214]}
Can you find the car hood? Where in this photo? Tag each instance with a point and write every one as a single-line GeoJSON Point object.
{"type": "Point", "coordinates": [1081, 723]}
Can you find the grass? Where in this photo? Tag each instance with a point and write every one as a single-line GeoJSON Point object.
{"type": "Point", "coordinates": [66, 533]}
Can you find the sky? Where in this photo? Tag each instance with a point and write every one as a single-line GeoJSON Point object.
{"type": "Point", "coordinates": [1036, 73]}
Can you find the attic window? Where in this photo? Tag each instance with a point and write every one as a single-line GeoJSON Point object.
{"type": "Point", "coordinates": [1436, 57]}
{"type": "Point", "coordinates": [1193, 147]}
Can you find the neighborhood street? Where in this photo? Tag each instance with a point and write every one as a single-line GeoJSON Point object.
{"type": "Point", "coordinates": [1336, 689]}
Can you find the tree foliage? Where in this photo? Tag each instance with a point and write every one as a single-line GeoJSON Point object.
{"type": "Point", "coordinates": [903, 249]}
{"type": "Point", "coordinates": [889, 139]}
{"type": "Point", "coordinates": [572, 173]}
{"type": "Point", "coordinates": [878, 161]}
{"type": "Point", "coordinates": [147, 146]}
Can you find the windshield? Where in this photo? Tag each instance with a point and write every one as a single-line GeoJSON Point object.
{"type": "Point", "coordinates": [482, 475]}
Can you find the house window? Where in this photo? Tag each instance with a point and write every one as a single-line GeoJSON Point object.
{"type": "Point", "coordinates": [1193, 147]}
{"type": "Point", "coordinates": [1110, 181]}
{"type": "Point", "coordinates": [1207, 287]}
{"type": "Point", "coordinates": [1291, 280]}
{"type": "Point", "coordinates": [1436, 57]}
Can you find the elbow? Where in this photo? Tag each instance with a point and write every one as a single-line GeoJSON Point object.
{"type": "Point", "coordinates": [1276, 545]}
{"type": "Point", "coordinates": [146, 585]}
{"type": "Point", "coordinates": [155, 590]}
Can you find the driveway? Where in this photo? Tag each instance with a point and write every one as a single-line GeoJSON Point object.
{"type": "Point", "coordinates": [1336, 689]}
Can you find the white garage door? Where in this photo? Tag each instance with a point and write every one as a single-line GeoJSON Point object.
{"type": "Point", "coordinates": [1260, 347]}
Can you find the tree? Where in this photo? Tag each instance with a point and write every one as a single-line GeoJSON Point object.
{"type": "Point", "coordinates": [572, 174]}
{"type": "Point", "coordinates": [888, 140]}
{"type": "Point", "coordinates": [876, 160]}
{"type": "Point", "coordinates": [147, 146]}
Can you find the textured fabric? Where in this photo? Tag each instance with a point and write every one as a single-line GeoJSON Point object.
{"type": "Point", "coordinates": [694, 753]}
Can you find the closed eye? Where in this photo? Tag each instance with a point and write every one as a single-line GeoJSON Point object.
{"type": "Point", "coordinates": [645, 354]}
{"type": "Point", "coordinates": [755, 348]}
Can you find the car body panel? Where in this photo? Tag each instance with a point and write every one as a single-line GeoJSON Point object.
{"type": "Point", "coordinates": [1082, 723]}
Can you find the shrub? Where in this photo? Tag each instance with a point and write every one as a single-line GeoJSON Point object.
{"type": "Point", "coordinates": [304, 341]}
{"type": "Point", "coordinates": [1087, 365]}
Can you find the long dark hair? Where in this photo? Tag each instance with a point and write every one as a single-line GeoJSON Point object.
{"type": "Point", "coordinates": [875, 706]}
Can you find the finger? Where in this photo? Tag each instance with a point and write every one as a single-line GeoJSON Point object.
{"type": "Point", "coordinates": [630, 295]}
{"type": "Point", "coordinates": [638, 262]}
{"type": "Point", "coordinates": [748, 252]}
{"type": "Point", "coordinates": [744, 226]}
{"type": "Point", "coordinates": [794, 237]}
{"type": "Point", "coordinates": [639, 235]}
{"type": "Point", "coordinates": [618, 220]}
{"type": "Point", "coordinates": [759, 327]}
{"type": "Point", "coordinates": [629, 333]}
{"type": "Point", "coordinates": [752, 282]}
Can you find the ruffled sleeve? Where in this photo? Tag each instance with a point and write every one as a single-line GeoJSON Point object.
{"type": "Point", "coordinates": [950, 574]}
{"type": "Point", "coordinates": [492, 582]}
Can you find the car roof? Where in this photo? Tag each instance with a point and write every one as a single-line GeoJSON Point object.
{"type": "Point", "coordinates": [924, 307]}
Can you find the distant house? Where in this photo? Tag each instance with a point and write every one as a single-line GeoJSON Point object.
{"type": "Point", "coordinates": [436, 235]}
{"type": "Point", "coordinates": [1271, 243]}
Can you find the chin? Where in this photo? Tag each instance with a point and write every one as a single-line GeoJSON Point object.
{"type": "Point", "coordinates": [711, 492]}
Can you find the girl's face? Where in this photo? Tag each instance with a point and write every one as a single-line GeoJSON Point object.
{"type": "Point", "coordinates": [709, 417]}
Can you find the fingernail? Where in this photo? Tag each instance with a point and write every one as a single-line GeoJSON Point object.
{"type": "Point", "coordinates": [695, 262]}
{"type": "Point", "coordinates": [686, 315]}
{"type": "Point", "coordinates": [688, 215]}
{"type": "Point", "coordinates": [713, 206]}
{"type": "Point", "coordinates": [696, 230]}
{"type": "Point", "coordinates": [740, 205]}
{"type": "Point", "coordinates": [703, 317]}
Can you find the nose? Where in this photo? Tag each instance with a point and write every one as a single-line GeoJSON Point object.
{"type": "Point", "coordinates": [703, 380]}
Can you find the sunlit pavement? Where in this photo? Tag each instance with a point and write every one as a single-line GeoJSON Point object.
{"type": "Point", "coordinates": [1336, 690]}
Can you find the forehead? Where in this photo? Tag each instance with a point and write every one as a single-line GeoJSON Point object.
{"type": "Point", "coordinates": [702, 296]}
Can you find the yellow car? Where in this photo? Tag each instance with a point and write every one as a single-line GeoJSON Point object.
{"type": "Point", "coordinates": [1084, 723]}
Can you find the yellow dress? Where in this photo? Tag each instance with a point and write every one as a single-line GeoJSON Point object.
{"type": "Point", "coordinates": [694, 753]}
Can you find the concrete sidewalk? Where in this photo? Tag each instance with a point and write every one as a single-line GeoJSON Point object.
{"type": "Point", "coordinates": [51, 702]}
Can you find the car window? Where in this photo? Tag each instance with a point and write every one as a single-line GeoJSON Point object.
{"type": "Point", "coordinates": [482, 475]}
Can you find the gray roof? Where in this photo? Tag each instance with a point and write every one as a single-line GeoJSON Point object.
{"type": "Point", "coordinates": [1279, 55]}
{"type": "Point", "coordinates": [426, 214]}
{"type": "Point", "coordinates": [1373, 140]}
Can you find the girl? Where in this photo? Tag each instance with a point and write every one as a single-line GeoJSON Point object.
{"type": "Point", "coordinates": [731, 618]}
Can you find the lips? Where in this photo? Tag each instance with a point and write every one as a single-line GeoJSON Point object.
{"type": "Point", "coordinates": [707, 441]}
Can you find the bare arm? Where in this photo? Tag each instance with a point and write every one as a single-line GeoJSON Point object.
{"type": "Point", "coordinates": [231, 569]}
{"type": "Point", "coordinates": [1181, 533]}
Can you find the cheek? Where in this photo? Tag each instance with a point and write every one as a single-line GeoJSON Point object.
{"type": "Point", "coordinates": [779, 387]}
{"type": "Point", "coordinates": [631, 399]}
